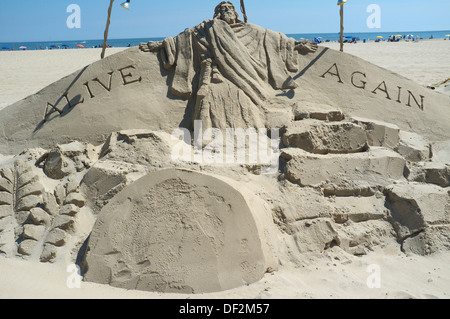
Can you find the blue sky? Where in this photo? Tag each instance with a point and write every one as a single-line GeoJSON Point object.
{"type": "Point", "coordinates": [45, 20]}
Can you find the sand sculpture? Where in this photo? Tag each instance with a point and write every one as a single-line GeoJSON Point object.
{"type": "Point", "coordinates": [88, 173]}
{"type": "Point", "coordinates": [228, 62]}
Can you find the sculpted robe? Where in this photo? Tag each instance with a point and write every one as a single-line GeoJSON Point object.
{"type": "Point", "coordinates": [229, 70]}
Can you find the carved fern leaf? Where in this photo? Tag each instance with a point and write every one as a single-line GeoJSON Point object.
{"type": "Point", "coordinates": [6, 186]}
{"type": "Point", "coordinates": [6, 211]}
{"type": "Point", "coordinates": [30, 217]}
{"type": "Point", "coordinates": [20, 191]}
{"type": "Point", "coordinates": [27, 188]}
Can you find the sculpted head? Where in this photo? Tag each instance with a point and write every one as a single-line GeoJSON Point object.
{"type": "Point", "coordinates": [226, 12]}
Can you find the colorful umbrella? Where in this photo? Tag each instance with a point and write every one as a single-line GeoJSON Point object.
{"type": "Point", "coordinates": [379, 37]}
{"type": "Point", "coordinates": [80, 46]}
{"type": "Point", "coordinates": [6, 48]}
{"type": "Point", "coordinates": [22, 48]}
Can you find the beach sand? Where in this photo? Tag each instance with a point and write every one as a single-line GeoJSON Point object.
{"type": "Point", "coordinates": [401, 275]}
{"type": "Point", "coordinates": [426, 62]}
{"type": "Point", "coordinates": [26, 72]}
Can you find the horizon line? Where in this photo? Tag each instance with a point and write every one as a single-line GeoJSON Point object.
{"type": "Point", "coordinates": [161, 37]}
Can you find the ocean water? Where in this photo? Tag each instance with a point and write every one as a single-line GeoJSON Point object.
{"type": "Point", "coordinates": [52, 45]}
{"type": "Point", "coordinates": [373, 35]}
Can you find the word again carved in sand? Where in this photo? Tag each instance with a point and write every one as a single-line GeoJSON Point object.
{"type": "Point", "coordinates": [94, 88]}
{"type": "Point", "coordinates": [359, 80]}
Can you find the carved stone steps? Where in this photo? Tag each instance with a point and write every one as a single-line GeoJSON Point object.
{"type": "Point", "coordinates": [413, 147]}
{"type": "Point", "coordinates": [359, 174]}
{"type": "Point", "coordinates": [379, 133]}
{"type": "Point", "coordinates": [431, 173]}
{"type": "Point", "coordinates": [418, 208]}
{"type": "Point", "coordinates": [322, 112]}
{"type": "Point", "coordinates": [441, 151]}
{"type": "Point", "coordinates": [320, 137]}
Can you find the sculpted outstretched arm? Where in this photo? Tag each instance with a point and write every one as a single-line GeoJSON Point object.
{"type": "Point", "coordinates": [151, 46]}
{"type": "Point", "coordinates": [306, 46]}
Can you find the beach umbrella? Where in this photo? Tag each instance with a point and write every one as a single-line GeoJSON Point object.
{"type": "Point", "coordinates": [125, 5]}
{"type": "Point", "coordinates": [341, 13]}
{"type": "Point", "coordinates": [80, 46]}
{"type": "Point", "coordinates": [6, 48]}
{"type": "Point", "coordinates": [379, 37]}
{"type": "Point", "coordinates": [22, 48]}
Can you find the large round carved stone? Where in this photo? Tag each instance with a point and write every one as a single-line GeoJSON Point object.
{"type": "Point", "coordinates": [176, 231]}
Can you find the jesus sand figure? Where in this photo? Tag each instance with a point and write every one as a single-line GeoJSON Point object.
{"type": "Point", "coordinates": [229, 68]}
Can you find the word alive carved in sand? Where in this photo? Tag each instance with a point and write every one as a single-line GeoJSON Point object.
{"type": "Point", "coordinates": [92, 88]}
{"type": "Point", "coordinates": [358, 81]}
